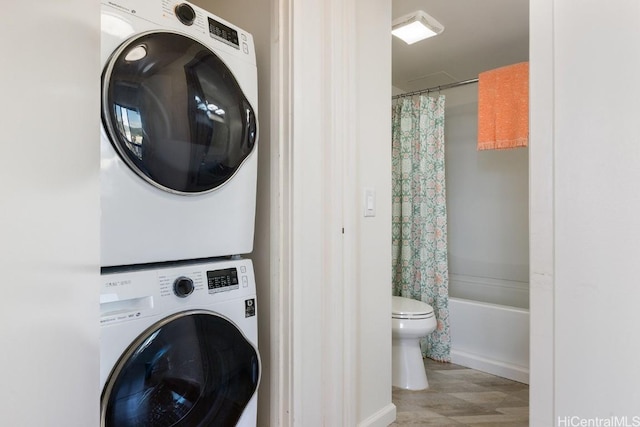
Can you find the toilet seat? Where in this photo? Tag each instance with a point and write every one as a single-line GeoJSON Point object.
{"type": "Point", "coordinates": [410, 309]}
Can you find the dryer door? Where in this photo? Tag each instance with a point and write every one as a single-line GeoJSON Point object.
{"type": "Point", "coordinates": [175, 113]}
{"type": "Point", "coordinates": [194, 369]}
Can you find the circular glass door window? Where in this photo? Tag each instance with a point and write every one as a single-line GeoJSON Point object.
{"type": "Point", "coordinates": [194, 369]}
{"type": "Point", "coordinates": [175, 113]}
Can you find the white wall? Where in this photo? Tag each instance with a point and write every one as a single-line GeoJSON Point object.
{"type": "Point", "coordinates": [597, 232]}
{"type": "Point", "coordinates": [541, 199]}
{"type": "Point", "coordinates": [373, 118]}
{"type": "Point", "coordinates": [487, 200]}
{"type": "Point", "coordinates": [341, 281]}
{"type": "Point", "coordinates": [585, 163]}
{"type": "Point", "coordinates": [49, 219]}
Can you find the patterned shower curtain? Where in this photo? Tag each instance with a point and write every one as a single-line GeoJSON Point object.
{"type": "Point", "coordinates": [419, 216]}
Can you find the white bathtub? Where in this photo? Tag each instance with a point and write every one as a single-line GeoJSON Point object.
{"type": "Point", "coordinates": [490, 337]}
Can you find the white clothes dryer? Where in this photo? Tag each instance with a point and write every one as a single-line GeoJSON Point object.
{"type": "Point", "coordinates": [179, 134]}
{"type": "Point", "coordinates": [179, 345]}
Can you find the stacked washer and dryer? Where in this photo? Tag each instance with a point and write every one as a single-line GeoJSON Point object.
{"type": "Point", "coordinates": [178, 193]}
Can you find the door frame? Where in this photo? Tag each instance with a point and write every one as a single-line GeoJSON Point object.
{"type": "Point", "coordinates": [313, 231]}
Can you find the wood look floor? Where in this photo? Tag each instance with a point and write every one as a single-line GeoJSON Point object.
{"type": "Point", "coordinates": [459, 396]}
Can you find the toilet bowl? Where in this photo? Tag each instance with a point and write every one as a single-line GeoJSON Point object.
{"type": "Point", "coordinates": [411, 321]}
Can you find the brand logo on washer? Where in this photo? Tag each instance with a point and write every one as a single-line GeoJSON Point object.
{"type": "Point", "coordinates": [117, 283]}
{"type": "Point", "coordinates": [250, 307]}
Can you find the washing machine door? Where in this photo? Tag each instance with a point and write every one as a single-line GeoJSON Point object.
{"type": "Point", "coordinates": [175, 113]}
{"type": "Point", "coordinates": [194, 369]}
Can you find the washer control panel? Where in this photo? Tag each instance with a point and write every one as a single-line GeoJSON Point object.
{"type": "Point", "coordinates": [130, 295]}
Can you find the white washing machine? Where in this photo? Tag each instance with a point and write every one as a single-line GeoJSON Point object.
{"type": "Point", "coordinates": [179, 134]}
{"type": "Point", "coordinates": [179, 345]}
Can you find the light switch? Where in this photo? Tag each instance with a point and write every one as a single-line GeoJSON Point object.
{"type": "Point", "coordinates": [369, 202]}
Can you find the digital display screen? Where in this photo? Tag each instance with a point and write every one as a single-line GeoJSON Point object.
{"type": "Point", "coordinates": [222, 280]}
{"type": "Point", "coordinates": [222, 32]}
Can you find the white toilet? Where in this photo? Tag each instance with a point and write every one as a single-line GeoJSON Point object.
{"type": "Point", "coordinates": [411, 321]}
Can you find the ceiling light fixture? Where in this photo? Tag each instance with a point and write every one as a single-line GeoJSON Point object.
{"type": "Point", "coordinates": [416, 26]}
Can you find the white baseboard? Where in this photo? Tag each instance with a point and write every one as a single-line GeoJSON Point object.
{"type": "Point", "coordinates": [495, 367]}
{"type": "Point", "coordinates": [382, 418]}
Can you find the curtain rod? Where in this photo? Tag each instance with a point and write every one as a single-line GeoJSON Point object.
{"type": "Point", "coordinates": [435, 88]}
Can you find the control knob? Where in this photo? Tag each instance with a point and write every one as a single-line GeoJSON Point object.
{"type": "Point", "coordinates": [185, 13]}
{"type": "Point", "coordinates": [183, 287]}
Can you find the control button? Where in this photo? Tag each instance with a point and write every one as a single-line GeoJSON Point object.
{"type": "Point", "coordinates": [243, 269]}
{"type": "Point", "coordinates": [245, 282]}
{"type": "Point", "coordinates": [245, 48]}
{"type": "Point", "coordinates": [185, 13]}
{"type": "Point", "coordinates": [244, 37]}
{"type": "Point", "coordinates": [183, 287]}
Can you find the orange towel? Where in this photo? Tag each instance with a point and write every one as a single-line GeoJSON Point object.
{"type": "Point", "coordinates": [503, 107]}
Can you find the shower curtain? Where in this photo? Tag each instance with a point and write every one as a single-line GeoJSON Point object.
{"type": "Point", "coordinates": [420, 268]}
